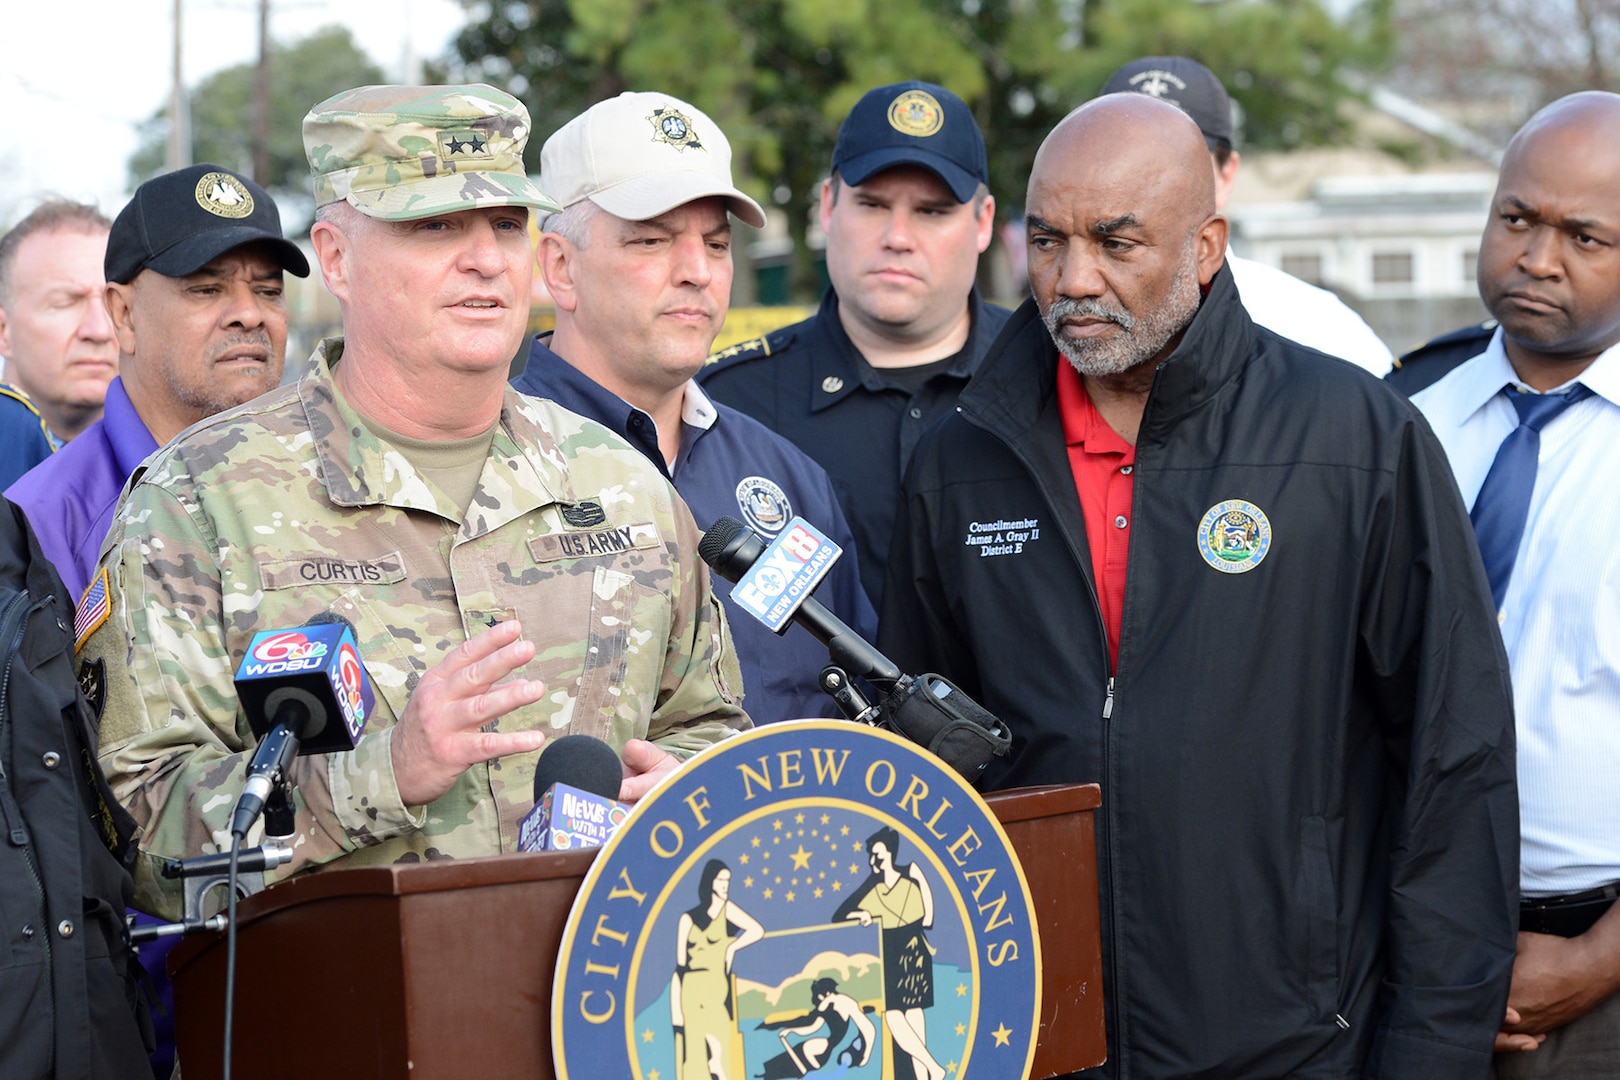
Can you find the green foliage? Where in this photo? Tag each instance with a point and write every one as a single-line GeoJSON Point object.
{"type": "Point", "coordinates": [1278, 58]}
{"type": "Point", "coordinates": [301, 74]}
{"type": "Point", "coordinates": [779, 75]}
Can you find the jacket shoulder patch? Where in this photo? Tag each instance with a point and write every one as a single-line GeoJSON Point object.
{"type": "Point", "coordinates": [754, 349]}
{"type": "Point", "coordinates": [759, 346]}
{"type": "Point", "coordinates": [17, 395]}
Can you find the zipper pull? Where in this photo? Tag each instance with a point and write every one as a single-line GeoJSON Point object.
{"type": "Point", "coordinates": [1108, 705]}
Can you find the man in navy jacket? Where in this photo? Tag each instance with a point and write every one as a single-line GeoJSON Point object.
{"type": "Point", "coordinates": [639, 265]}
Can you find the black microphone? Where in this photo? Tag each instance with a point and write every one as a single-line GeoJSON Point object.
{"type": "Point", "coordinates": [304, 691]}
{"type": "Point", "coordinates": [576, 791]}
{"type": "Point", "coordinates": [579, 761]}
{"type": "Point", "coordinates": [730, 548]}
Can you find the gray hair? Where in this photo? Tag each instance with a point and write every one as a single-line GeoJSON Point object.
{"type": "Point", "coordinates": [572, 224]}
{"type": "Point", "coordinates": [338, 213]}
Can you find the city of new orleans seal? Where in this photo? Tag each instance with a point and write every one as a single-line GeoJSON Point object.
{"type": "Point", "coordinates": [813, 898]}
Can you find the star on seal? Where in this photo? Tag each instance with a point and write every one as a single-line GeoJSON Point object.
{"type": "Point", "coordinates": [673, 127]}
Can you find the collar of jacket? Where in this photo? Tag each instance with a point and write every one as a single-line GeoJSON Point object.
{"type": "Point", "coordinates": [526, 468]}
{"type": "Point", "coordinates": [1017, 382]}
{"type": "Point", "coordinates": [839, 360]}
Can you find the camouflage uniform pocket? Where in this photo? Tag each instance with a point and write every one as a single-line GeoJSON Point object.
{"type": "Point", "coordinates": [624, 658]}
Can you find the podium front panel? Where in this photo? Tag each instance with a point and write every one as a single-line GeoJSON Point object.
{"type": "Point", "coordinates": [444, 969]}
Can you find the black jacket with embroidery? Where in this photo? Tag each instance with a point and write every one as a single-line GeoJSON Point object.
{"type": "Point", "coordinates": [1308, 846]}
{"type": "Point", "coordinates": [69, 1004]}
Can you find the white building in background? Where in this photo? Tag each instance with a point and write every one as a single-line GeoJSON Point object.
{"type": "Point", "coordinates": [1390, 222]}
{"type": "Point", "coordinates": [1410, 237]}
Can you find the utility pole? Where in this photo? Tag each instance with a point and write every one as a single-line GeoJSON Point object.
{"type": "Point", "coordinates": [179, 150]}
{"type": "Point", "coordinates": [261, 101]}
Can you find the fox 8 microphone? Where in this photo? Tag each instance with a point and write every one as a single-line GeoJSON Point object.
{"type": "Point", "coordinates": [774, 584]}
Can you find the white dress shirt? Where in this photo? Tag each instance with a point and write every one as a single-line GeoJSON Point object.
{"type": "Point", "coordinates": [1296, 309]}
{"type": "Point", "coordinates": [1560, 618]}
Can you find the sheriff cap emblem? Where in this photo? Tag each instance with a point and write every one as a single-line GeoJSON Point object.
{"type": "Point", "coordinates": [674, 127]}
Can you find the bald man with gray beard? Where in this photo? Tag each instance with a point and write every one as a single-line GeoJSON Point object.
{"type": "Point", "coordinates": [1288, 682]}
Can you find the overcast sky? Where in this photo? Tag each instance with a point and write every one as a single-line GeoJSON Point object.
{"type": "Point", "coordinates": [79, 75]}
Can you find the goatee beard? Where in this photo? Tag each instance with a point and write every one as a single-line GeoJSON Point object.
{"type": "Point", "coordinates": [1138, 339]}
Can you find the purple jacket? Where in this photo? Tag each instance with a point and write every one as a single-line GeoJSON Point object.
{"type": "Point", "coordinates": [69, 497]}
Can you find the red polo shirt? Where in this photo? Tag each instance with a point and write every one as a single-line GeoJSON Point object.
{"type": "Point", "coordinates": [1104, 465]}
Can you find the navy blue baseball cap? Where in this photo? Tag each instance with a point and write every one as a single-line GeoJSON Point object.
{"type": "Point", "coordinates": [178, 223]}
{"type": "Point", "coordinates": [913, 123]}
{"type": "Point", "coordinates": [1184, 83]}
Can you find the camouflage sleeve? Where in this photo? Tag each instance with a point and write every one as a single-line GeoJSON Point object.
{"type": "Point", "coordinates": [700, 693]}
{"type": "Point", "coordinates": [173, 742]}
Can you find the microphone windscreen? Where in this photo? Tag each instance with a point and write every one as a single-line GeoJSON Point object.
{"type": "Point", "coordinates": [579, 761]}
{"type": "Point", "coordinates": [730, 548]}
{"type": "Point", "coordinates": [721, 533]}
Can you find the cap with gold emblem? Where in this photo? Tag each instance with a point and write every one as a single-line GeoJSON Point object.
{"type": "Point", "coordinates": [913, 123]}
{"type": "Point", "coordinates": [179, 222]}
{"type": "Point", "coordinates": [406, 152]}
{"type": "Point", "coordinates": [641, 155]}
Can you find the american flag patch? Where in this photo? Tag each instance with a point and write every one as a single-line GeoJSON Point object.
{"type": "Point", "coordinates": [93, 610]}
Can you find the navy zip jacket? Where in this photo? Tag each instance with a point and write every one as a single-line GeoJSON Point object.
{"type": "Point", "coordinates": [1308, 845]}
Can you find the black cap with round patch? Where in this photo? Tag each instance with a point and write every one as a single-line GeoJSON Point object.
{"type": "Point", "coordinates": [179, 222]}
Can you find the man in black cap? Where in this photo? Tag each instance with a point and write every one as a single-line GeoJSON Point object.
{"type": "Point", "coordinates": [194, 289]}
{"type": "Point", "coordinates": [1275, 300]}
{"type": "Point", "coordinates": [194, 271]}
{"type": "Point", "coordinates": [906, 211]}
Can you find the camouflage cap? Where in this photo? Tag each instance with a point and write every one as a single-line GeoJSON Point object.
{"type": "Point", "coordinates": [405, 152]}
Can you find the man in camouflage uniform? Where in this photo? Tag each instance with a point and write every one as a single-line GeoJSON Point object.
{"type": "Point", "coordinates": [467, 532]}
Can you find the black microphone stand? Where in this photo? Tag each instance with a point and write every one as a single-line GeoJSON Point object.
{"type": "Point", "coordinates": [854, 704]}
{"type": "Point", "coordinates": [202, 874]}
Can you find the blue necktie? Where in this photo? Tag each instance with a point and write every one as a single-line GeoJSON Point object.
{"type": "Point", "coordinates": [1503, 502]}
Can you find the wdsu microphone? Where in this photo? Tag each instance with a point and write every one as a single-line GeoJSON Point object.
{"type": "Point", "coordinates": [774, 583]}
{"type": "Point", "coordinates": [304, 692]}
{"type": "Point", "coordinates": [575, 784]}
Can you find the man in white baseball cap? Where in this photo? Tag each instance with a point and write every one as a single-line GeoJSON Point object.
{"type": "Point", "coordinates": [638, 262]}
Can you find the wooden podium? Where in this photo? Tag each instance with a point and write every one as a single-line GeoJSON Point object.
{"type": "Point", "coordinates": [443, 969]}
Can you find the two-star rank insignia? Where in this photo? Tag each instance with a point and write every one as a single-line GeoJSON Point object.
{"type": "Point", "coordinates": [462, 144]}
